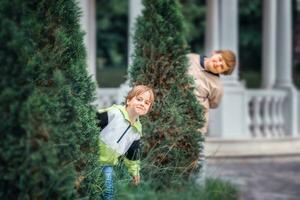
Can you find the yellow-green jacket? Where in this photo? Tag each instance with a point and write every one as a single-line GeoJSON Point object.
{"type": "Point", "coordinates": [119, 138]}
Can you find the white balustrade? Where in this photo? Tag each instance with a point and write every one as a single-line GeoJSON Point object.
{"type": "Point", "coordinates": [106, 97]}
{"type": "Point", "coordinates": [265, 113]}
{"type": "Point", "coordinates": [265, 110]}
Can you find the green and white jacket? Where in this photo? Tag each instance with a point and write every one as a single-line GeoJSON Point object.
{"type": "Point", "coordinates": [119, 138]}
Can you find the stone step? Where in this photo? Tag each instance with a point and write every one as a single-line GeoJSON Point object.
{"type": "Point", "coordinates": [216, 148]}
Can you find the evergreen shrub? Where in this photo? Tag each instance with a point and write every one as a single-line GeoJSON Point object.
{"type": "Point", "coordinates": [171, 136]}
{"type": "Point", "coordinates": [48, 132]}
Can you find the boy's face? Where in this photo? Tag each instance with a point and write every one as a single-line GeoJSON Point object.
{"type": "Point", "coordinates": [140, 104]}
{"type": "Point", "coordinates": [216, 64]}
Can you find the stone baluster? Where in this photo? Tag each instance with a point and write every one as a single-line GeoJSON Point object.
{"type": "Point", "coordinates": [274, 116]}
{"type": "Point", "coordinates": [257, 121]}
{"type": "Point", "coordinates": [280, 117]}
{"type": "Point", "coordinates": [266, 121]}
{"type": "Point", "coordinates": [251, 116]}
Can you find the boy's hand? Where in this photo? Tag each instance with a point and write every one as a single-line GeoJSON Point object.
{"type": "Point", "coordinates": [136, 180]}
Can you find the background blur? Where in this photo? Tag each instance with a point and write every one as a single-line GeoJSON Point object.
{"type": "Point", "coordinates": [112, 39]}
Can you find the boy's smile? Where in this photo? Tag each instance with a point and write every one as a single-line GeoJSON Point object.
{"type": "Point", "coordinates": [216, 64]}
{"type": "Point", "coordinates": [140, 104]}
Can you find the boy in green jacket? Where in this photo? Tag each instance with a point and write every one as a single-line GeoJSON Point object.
{"type": "Point", "coordinates": [120, 135]}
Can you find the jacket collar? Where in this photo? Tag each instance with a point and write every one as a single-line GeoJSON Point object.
{"type": "Point", "coordinates": [137, 123]}
{"type": "Point", "coordinates": [202, 58]}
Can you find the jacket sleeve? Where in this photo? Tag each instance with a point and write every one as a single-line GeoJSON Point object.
{"type": "Point", "coordinates": [215, 97]}
{"type": "Point", "coordinates": [102, 119]}
{"type": "Point", "coordinates": [132, 159]}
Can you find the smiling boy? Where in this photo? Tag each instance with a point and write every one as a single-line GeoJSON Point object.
{"type": "Point", "coordinates": [120, 135]}
{"type": "Point", "coordinates": [205, 72]}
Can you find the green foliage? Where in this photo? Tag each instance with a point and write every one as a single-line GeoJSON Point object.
{"type": "Point", "coordinates": [218, 189]}
{"type": "Point", "coordinates": [171, 139]}
{"type": "Point", "coordinates": [250, 35]}
{"type": "Point", "coordinates": [214, 190]}
{"type": "Point", "coordinates": [252, 79]}
{"type": "Point", "coordinates": [296, 78]}
{"type": "Point", "coordinates": [48, 133]}
{"type": "Point", "coordinates": [111, 77]}
{"type": "Point", "coordinates": [112, 29]}
{"type": "Point", "coordinates": [112, 36]}
{"type": "Point", "coordinates": [194, 13]}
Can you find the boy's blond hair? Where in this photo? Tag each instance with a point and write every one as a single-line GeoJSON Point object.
{"type": "Point", "coordinates": [229, 59]}
{"type": "Point", "coordinates": [139, 89]}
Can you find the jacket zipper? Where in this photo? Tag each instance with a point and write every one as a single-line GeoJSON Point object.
{"type": "Point", "coordinates": [123, 134]}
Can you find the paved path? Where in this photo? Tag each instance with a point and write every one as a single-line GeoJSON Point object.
{"type": "Point", "coordinates": [276, 178]}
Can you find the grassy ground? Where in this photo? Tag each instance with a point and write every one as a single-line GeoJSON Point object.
{"type": "Point", "coordinates": [178, 189]}
{"type": "Point", "coordinates": [214, 190]}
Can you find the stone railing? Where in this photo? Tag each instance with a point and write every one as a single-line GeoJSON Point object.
{"type": "Point", "coordinates": [265, 114]}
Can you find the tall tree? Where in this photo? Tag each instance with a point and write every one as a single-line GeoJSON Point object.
{"type": "Point", "coordinates": [48, 132]}
{"type": "Point", "coordinates": [171, 137]}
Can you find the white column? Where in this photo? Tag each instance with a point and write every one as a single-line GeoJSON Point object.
{"type": "Point", "coordinates": [135, 9]}
{"type": "Point", "coordinates": [229, 33]}
{"type": "Point", "coordinates": [212, 36]}
{"type": "Point", "coordinates": [269, 44]}
{"type": "Point", "coordinates": [88, 25]}
{"type": "Point", "coordinates": [284, 66]}
{"type": "Point", "coordinates": [229, 120]}
{"type": "Point", "coordinates": [284, 44]}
